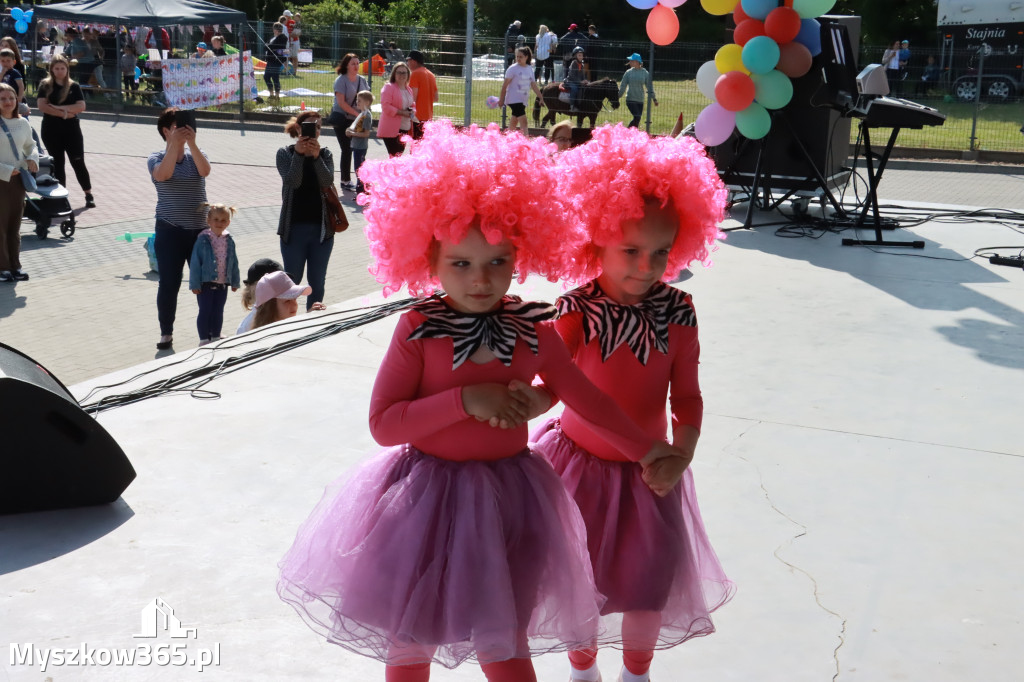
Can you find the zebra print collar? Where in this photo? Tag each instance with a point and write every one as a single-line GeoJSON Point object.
{"type": "Point", "coordinates": [641, 327]}
{"type": "Point", "coordinates": [498, 330]}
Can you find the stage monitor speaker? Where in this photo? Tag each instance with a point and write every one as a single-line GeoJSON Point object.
{"type": "Point", "coordinates": [823, 131]}
{"type": "Point", "coordinates": [52, 454]}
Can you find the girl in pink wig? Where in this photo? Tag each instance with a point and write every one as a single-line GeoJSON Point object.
{"type": "Point", "coordinates": [457, 541]}
{"type": "Point", "coordinates": [650, 207]}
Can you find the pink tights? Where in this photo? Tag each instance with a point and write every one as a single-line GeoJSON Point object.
{"type": "Point", "coordinates": [418, 670]}
{"type": "Point", "coordinates": [639, 636]}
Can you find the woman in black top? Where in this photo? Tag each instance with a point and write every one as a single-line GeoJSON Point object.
{"type": "Point", "coordinates": [277, 53]}
{"type": "Point", "coordinates": [306, 239]}
{"type": "Point", "coordinates": [60, 101]}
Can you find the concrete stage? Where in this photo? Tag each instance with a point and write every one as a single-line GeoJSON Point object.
{"type": "Point", "coordinates": [859, 474]}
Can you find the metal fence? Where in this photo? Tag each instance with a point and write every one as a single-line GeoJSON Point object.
{"type": "Point", "coordinates": [981, 95]}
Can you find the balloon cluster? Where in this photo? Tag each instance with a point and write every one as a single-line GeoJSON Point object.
{"type": "Point", "coordinates": [662, 22]}
{"type": "Point", "coordinates": [751, 75]}
{"type": "Point", "coordinates": [21, 19]}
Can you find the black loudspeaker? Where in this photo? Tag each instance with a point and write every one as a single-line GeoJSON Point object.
{"type": "Point", "coordinates": [52, 454]}
{"type": "Point", "coordinates": [808, 120]}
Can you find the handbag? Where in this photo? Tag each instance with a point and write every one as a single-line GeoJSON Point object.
{"type": "Point", "coordinates": [340, 118]}
{"type": "Point", "coordinates": [336, 218]}
{"type": "Point", "coordinates": [28, 180]}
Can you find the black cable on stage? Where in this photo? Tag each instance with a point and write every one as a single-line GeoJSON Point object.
{"type": "Point", "coordinates": [194, 380]}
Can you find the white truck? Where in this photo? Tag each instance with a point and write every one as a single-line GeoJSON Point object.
{"type": "Point", "coordinates": [968, 28]}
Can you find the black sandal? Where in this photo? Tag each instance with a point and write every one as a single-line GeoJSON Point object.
{"type": "Point", "coordinates": [164, 345]}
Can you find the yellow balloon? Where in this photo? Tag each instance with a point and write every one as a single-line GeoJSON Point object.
{"type": "Point", "coordinates": [718, 7]}
{"type": "Point", "coordinates": [730, 58]}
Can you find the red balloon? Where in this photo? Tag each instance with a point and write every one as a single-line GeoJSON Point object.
{"type": "Point", "coordinates": [751, 28]}
{"type": "Point", "coordinates": [734, 91]}
{"type": "Point", "coordinates": [782, 25]}
{"type": "Point", "coordinates": [662, 25]}
{"type": "Point", "coordinates": [794, 59]}
{"type": "Point", "coordinates": [738, 15]}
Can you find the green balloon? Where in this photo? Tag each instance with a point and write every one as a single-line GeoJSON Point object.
{"type": "Point", "coordinates": [754, 122]}
{"type": "Point", "coordinates": [772, 90]}
{"type": "Point", "coordinates": [810, 9]}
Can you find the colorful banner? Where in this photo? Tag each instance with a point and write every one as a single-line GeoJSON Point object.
{"type": "Point", "coordinates": [206, 82]}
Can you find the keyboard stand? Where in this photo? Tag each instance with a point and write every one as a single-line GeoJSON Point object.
{"type": "Point", "coordinates": [874, 178]}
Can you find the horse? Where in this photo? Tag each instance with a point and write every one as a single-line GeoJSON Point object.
{"type": "Point", "coordinates": [592, 100]}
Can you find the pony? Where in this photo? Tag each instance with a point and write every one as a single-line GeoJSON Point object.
{"type": "Point", "coordinates": [591, 101]}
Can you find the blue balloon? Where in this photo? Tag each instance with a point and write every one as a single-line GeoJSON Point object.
{"type": "Point", "coordinates": [28, 15]}
{"type": "Point", "coordinates": [20, 26]}
{"type": "Point", "coordinates": [643, 4]}
{"type": "Point", "coordinates": [17, 14]}
{"type": "Point", "coordinates": [810, 36]}
{"type": "Point", "coordinates": [138, 73]}
{"type": "Point", "coordinates": [758, 9]}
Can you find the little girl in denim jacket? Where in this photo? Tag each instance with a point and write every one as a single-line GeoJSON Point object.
{"type": "Point", "coordinates": [213, 268]}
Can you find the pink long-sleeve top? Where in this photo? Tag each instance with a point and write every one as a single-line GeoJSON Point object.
{"type": "Point", "coordinates": [391, 102]}
{"type": "Point", "coordinates": [640, 390]}
{"type": "Point", "coordinates": [417, 397]}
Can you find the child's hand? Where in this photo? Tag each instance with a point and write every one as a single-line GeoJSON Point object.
{"type": "Point", "coordinates": [197, 291]}
{"type": "Point", "coordinates": [487, 401]}
{"type": "Point", "coordinates": [348, 132]}
{"type": "Point", "coordinates": [537, 402]}
{"type": "Point", "coordinates": [663, 475]}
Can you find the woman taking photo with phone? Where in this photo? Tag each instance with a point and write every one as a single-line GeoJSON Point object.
{"type": "Point", "coordinates": [306, 238]}
{"type": "Point", "coordinates": [397, 109]}
{"type": "Point", "coordinates": [179, 173]}
{"type": "Point", "coordinates": [61, 101]}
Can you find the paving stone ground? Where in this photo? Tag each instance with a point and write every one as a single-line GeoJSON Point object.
{"type": "Point", "coordinates": [90, 306]}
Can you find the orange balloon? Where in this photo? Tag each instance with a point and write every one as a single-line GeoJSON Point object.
{"type": "Point", "coordinates": [662, 25]}
{"type": "Point", "coordinates": [794, 59]}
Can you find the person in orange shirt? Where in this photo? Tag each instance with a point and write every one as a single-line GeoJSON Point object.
{"type": "Point", "coordinates": [424, 92]}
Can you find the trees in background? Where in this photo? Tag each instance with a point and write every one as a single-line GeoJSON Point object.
{"type": "Point", "coordinates": [883, 20]}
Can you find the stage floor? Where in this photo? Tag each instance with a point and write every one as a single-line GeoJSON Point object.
{"type": "Point", "coordinates": [859, 474]}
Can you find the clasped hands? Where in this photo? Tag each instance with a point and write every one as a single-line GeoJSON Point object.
{"type": "Point", "coordinates": [510, 406]}
{"type": "Point", "coordinates": [308, 146]}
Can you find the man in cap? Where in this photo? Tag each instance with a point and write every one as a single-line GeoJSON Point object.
{"type": "Point", "coordinates": [424, 91]}
{"type": "Point", "coordinates": [571, 40]}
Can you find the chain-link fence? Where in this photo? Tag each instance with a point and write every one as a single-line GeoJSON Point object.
{"type": "Point", "coordinates": [981, 95]}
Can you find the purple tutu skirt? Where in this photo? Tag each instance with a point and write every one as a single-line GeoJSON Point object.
{"type": "Point", "coordinates": [649, 553]}
{"type": "Point", "coordinates": [460, 560]}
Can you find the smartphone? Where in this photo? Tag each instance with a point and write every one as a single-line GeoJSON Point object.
{"type": "Point", "coordinates": [308, 128]}
{"type": "Point", "coordinates": [185, 117]}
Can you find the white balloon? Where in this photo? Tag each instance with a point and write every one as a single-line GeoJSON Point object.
{"type": "Point", "coordinates": [707, 76]}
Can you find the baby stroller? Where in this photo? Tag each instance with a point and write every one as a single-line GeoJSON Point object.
{"type": "Point", "coordinates": [50, 200]}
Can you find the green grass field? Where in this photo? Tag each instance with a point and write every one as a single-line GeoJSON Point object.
{"type": "Point", "coordinates": [998, 124]}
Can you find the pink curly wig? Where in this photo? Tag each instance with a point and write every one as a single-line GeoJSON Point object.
{"type": "Point", "coordinates": [607, 181]}
{"type": "Point", "coordinates": [451, 181]}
